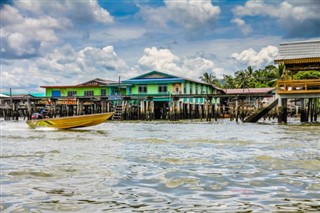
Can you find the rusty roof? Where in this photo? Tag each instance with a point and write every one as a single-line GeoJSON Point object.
{"type": "Point", "coordinates": [249, 90]}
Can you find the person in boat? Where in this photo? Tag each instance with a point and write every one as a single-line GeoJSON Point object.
{"type": "Point", "coordinates": [36, 116]}
{"type": "Point", "coordinates": [41, 115]}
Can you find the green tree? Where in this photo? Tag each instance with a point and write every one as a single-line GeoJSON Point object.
{"type": "Point", "coordinates": [228, 82]}
{"type": "Point", "coordinates": [312, 74]}
{"type": "Point", "coordinates": [276, 74]}
{"type": "Point", "coordinates": [210, 79]}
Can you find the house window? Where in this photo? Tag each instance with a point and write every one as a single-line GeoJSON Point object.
{"type": "Point", "coordinates": [207, 89]}
{"type": "Point", "coordinates": [114, 91]}
{"type": "Point", "coordinates": [103, 92]}
{"type": "Point", "coordinates": [184, 88]}
{"type": "Point", "coordinates": [142, 89]}
{"type": "Point", "coordinates": [162, 89]}
{"type": "Point", "coordinates": [197, 86]}
{"type": "Point", "coordinates": [88, 93]}
{"type": "Point", "coordinates": [191, 88]}
{"type": "Point", "coordinates": [72, 93]}
{"type": "Point", "coordinates": [201, 89]}
{"type": "Point", "coordinates": [56, 93]}
{"type": "Point", "coordinates": [177, 89]}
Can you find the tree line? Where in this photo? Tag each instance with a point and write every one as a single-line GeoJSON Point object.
{"type": "Point", "coordinates": [259, 78]}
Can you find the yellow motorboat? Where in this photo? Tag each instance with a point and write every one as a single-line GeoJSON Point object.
{"type": "Point", "coordinates": [70, 122]}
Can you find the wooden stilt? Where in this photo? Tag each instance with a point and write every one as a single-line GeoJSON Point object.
{"type": "Point", "coordinates": [303, 113]}
{"type": "Point", "coordinates": [284, 110]}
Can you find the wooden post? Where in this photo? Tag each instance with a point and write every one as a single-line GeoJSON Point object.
{"type": "Point", "coordinates": [103, 105]}
{"type": "Point", "coordinates": [208, 109]}
{"type": "Point", "coordinates": [127, 110]}
{"type": "Point", "coordinates": [193, 109]}
{"type": "Point", "coordinates": [178, 110]}
{"type": "Point", "coordinates": [311, 109]}
{"type": "Point", "coordinates": [232, 111]}
{"type": "Point", "coordinates": [303, 114]}
{"type": "Point", "coordinates": [153, 115]}
{"type": "Point", "coordinates": [172, 110]}
{"type": "Point", "coordinates": [29, 108]}
{"type": "Point", "coordinates": [142, 112]}
{"type": "Point", "coordinates": [147, 110]}
{"type": "Point", "coordinates": [78, 106]}
{"type": "Point", "coordinates": [200, 111]}
{"type": "Point", "coordinates": [108, 106]}
{"type": "Point", "coordinates": [316, 109]}
{"type": "Point", "coordinates": [237, 110]}
{"type": "Point", "coordinates": [284, 110]}
{"type": "Point", "coordinates": [242, 109]}
{"type": "Point", "coordinates": [215, 110]}
{"type": "Point", "coordinates": [188, 109]}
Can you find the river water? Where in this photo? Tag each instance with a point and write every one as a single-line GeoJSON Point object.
{"type": "Point", "coordinates": [161, 167]}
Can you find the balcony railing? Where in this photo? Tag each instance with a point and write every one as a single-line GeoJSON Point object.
{"type": "Point", "coordinates": [298, 86]}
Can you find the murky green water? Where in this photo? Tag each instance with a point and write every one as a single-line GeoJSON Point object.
{"type": "Point", "coordinates": [161, 167]}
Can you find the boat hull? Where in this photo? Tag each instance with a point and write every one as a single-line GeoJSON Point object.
{"type": "Point", "coordinates": [71, 122]}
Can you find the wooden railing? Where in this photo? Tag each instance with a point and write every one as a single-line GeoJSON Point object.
{"type": "Point", "coordinates": [298, 86]}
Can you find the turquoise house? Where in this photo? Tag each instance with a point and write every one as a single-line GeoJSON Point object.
{"type": "Point", "coordinates": [162, 90]}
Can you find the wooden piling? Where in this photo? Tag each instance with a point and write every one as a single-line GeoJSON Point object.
{"type": "Point", "coordinates": [303, 113]}
{"type": "Point", "coordinates": [284, 111]}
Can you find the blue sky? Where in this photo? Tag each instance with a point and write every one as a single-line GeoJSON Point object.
{"type": "Point", "coordinates": [68, 42]}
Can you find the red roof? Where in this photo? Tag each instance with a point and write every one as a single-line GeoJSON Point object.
{"type": "Point", "coordinates": [249, 90]}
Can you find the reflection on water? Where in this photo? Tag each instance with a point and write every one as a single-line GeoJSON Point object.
{"type": "Point", "coordinates": [165, 167]}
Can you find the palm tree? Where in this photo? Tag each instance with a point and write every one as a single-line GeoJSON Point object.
{"type": "Point", "coordinates": [277, 73]}
{"type": "Point", "coordinates": [206, 77]}
{"type": "Point", "coordinates": [229, 82]}
{"type": "Point", "coordinates": [210, 79]}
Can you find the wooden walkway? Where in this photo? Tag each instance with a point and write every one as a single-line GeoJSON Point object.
{"type": "Point", "coordinates": [261, 112]}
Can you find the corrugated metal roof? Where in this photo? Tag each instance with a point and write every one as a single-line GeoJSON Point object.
{"type": "Point", "coordinates": [97, 81]}
{"type": "Point", "coordinates": [299, 50]}
{"type": "Point", "coordinates": [154, 80]}
{"type": "Point", "coordinates": [166, 77]}
{"type": "Point", "coordinates": [248, 90]}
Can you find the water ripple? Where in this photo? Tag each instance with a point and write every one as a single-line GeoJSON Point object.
{"type": "Point", "coordinates": [161, 167]}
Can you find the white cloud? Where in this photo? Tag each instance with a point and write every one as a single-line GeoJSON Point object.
{"type": "Point", "coordinates": [259, 59]}
{"type": "Point", "coordinates": [161, 60]}
{"type": "Point", "coordinates": [65, 66]}
{"type": "Point", "coordinates": [283, 11]}
{"type": "Point", "coordinates": [165, 61]}
{"type": "Point", "coordinates": [192, 13]}
{"type": "Point", "coordinates": [242, 25]}
{"type": "Point", "coordinates": [293, 16]}
{"type": "Point", "coordinates": [195, 67]}
{"type": "Point", "coordinates": [155, 17]}
{"type": "Point", "coordinates": [30, 28]}
{"type": "Point", "coordinates": [77, 11]}
{"type": "Point", "coordinates": [189, 14]}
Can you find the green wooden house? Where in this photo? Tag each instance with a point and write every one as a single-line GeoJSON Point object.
{"type": "Point", "coordinates": [93, 88]}
{"type": "Point", "coordinates": [161, 86]}
{"type": "Point", "coordinates": [167, 92]}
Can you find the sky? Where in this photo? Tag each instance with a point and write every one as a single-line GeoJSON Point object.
{"type": "Point", "coordinates": [68, 42]}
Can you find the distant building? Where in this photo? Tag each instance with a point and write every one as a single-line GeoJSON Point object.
{"type": "Point", "coordinates": [260, 96]}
